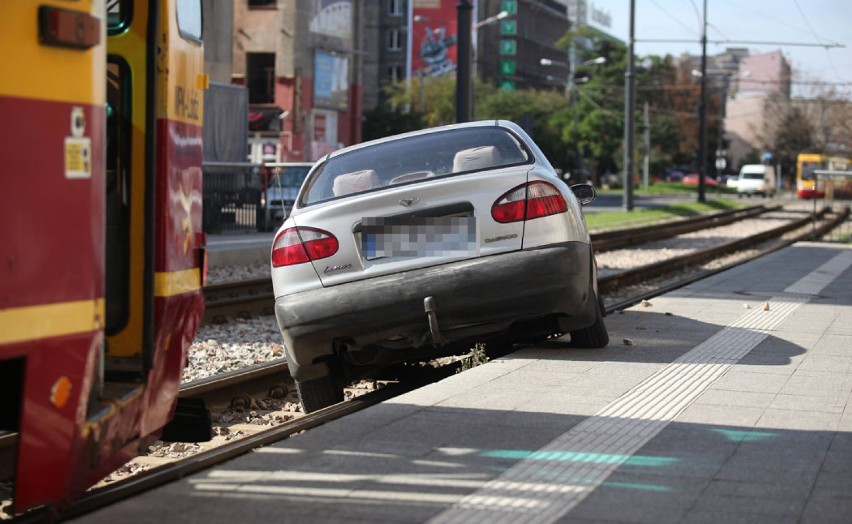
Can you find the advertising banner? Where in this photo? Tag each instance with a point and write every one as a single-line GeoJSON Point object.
{"type": "Point", "coordinates": [434, 28]}
{"type": "Point", "coordinates": [331, 81]}
{"type": "Point", "coordinates": [332, 18]}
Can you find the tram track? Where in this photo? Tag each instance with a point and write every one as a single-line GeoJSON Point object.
{"type": "Point", "coordinates": [258, 381]}
{"type": "Point", "coordinates": [651, 271]}
{"type": "Point", "coordinates": [158, 476]}
{"type": "Point", "coordinates": [773, 240]}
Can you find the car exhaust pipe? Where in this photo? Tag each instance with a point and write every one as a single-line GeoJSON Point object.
{"type": "Point", "coordinates": [432, 315]}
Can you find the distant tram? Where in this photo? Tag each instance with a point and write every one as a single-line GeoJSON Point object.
{"type": "Point", "coordinates": [102, 259]}
{"type": "Point", "coordinates": [809, 186]}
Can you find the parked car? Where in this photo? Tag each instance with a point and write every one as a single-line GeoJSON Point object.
{"type": "Point", "coordinates": [419, 245]}
{"type": "Point", "coordinates": [280, 193]}
{"type": "Point", "coordinates": [611, 181]}
{"type": "Point", "coordinates": [692, 180]}
{"type": "Point", "coordinates": [675, 174]}
{"type": "Point", "coordinates": [732, 181]}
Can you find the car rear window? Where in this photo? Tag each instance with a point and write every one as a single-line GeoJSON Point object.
{"type": "Point", "coordinates": [415, 159]}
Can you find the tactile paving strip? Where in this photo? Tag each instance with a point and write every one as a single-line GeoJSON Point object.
{"type": "Point", "coordinates": [552, 481]}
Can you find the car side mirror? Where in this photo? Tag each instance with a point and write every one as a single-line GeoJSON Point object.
{"type": "Point", "coordinates": [585, 193]}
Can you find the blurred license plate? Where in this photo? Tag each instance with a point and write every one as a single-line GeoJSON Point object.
{"type": "Point", "coordinates": [418, 237]}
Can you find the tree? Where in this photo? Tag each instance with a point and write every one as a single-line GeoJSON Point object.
{"type": "Point", "coordinates": [432, 97]}
{"type": "Point", "coordinates": [531, 109]}
{"type": "Point", "coordinates": [598, 98]}
{"type": "Point", "coordinates": [788, 132]}
{"type": "Point", "coordinates": [656, 78]}
{"type": "Point", "coordinates": [381, 122]}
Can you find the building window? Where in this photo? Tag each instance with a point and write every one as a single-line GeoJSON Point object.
{"type": "Point", "coordinates": [394, 40]}
{"type": "Point", "coordinates": [394, 74]}
{"type": "Point", "coordinates": [260, 77]}
{"type": "Point", "coordinates": [395, 7]}
{"type": "Point", "coordinates": [262, 4]}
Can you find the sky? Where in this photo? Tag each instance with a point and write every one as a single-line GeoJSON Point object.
{"type": "Point", "coordinates": [783, 22]}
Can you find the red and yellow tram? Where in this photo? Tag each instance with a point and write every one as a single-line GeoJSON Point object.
{"type": "Point", "coordinates": [102, 256]}
{"type": "Point", "coordinates": [809, 185]}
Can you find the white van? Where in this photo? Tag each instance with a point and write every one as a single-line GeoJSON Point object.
{"type": "Point", "coordinates": [756, 179]}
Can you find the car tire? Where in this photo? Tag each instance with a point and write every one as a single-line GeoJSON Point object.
{"type": "Point", "coordinates": [594, 336]}
{"type": "Point", "coordinates": [318, 393]}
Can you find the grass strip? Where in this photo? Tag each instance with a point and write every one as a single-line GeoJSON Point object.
{"type": "Point", "coordinates": [620, 219]}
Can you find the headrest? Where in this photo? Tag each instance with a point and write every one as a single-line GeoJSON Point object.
{"type": "Point", "coordinates": [476, 158]}
{"type": "Point", "coordinates": [356, 182]}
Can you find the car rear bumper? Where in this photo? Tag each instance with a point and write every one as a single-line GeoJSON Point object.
{"type": "Point", "coordinates": [472, 298]}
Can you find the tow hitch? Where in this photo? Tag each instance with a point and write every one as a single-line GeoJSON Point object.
{"type": "Point", "coordinates": [432, 314]}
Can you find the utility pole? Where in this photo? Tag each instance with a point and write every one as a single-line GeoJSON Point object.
{"type": "Point", "coordinates": [629, 104]}
{"type": "Point", "coordinates": [702, 112]}
{"type": "Point", "coordinates": [646, 161]}
{"type": "Point", "coordinates": [463, 89]}
{"type": "Point", "coordinates": [721, 162]}
{"type": "Point", "coordinates": [571, 87]}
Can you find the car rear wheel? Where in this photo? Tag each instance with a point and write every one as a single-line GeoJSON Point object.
{"type": "Point", "coordinates": [318, 393]}
{"type": "Point", "coordinates": [594, 336]}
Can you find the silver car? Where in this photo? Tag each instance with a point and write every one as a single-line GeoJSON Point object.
{"type": "Point", "coordinates": [416, 246]}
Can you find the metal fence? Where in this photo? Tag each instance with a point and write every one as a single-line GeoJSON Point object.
{"type": "Point", "coordinates": [836, 187]}
{"type": "Point", "coordinates": [231, 197]}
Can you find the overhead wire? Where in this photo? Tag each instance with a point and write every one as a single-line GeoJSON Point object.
{"type": "Point", "coordinates": [818, 38]}
{"type": "Point", "coordinates": [664, 10]}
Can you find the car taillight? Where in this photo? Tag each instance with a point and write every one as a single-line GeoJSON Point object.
{"type": "Point", "coordinates": [297, 245]}
{"type": "Point", "coordinates": [529, 201]}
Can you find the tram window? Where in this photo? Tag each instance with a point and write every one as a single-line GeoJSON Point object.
{"type": "Point", "coordinates": [808, 169]}
{"type": "Point", "coordinates": [117, 217]}
{"type": "Point", "coordinates": [118, 15]}
{"type": "Point", "coordinates": [189, 19]}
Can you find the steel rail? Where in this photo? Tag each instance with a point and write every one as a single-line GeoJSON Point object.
{"type": "Point", "coordinates": [252, 296]}
{"type": "Point", "coordinates": [807, 234]}
{"type": "Point", "coordinates": [123, 489]}
{"type": "Point", "coordinates": [619, 238]}
{"type": "Point", "coordinates": [631, 276]}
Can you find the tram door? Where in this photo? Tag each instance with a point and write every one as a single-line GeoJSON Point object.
{"type": "Point", "coordinates": [155, 84]}
{"type": "Point", "coordinates": [128, 249]}
{"type": "Point", "coordinates": [154, 90]}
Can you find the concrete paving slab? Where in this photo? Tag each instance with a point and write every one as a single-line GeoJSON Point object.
{"type": "Point", "coordinates": [716, 413]}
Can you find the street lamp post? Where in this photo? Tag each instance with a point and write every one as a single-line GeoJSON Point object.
{"type": "Point", "coordinates": [571, 92]}
{"type": "Point", "coordinates": [464, 92]}
{"type": "Point", "coordinates": [629, 105]}
{"type": "Point", "coordinates": [463, 89]}
{"type": "Point", "coordinates": [702, 112]}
